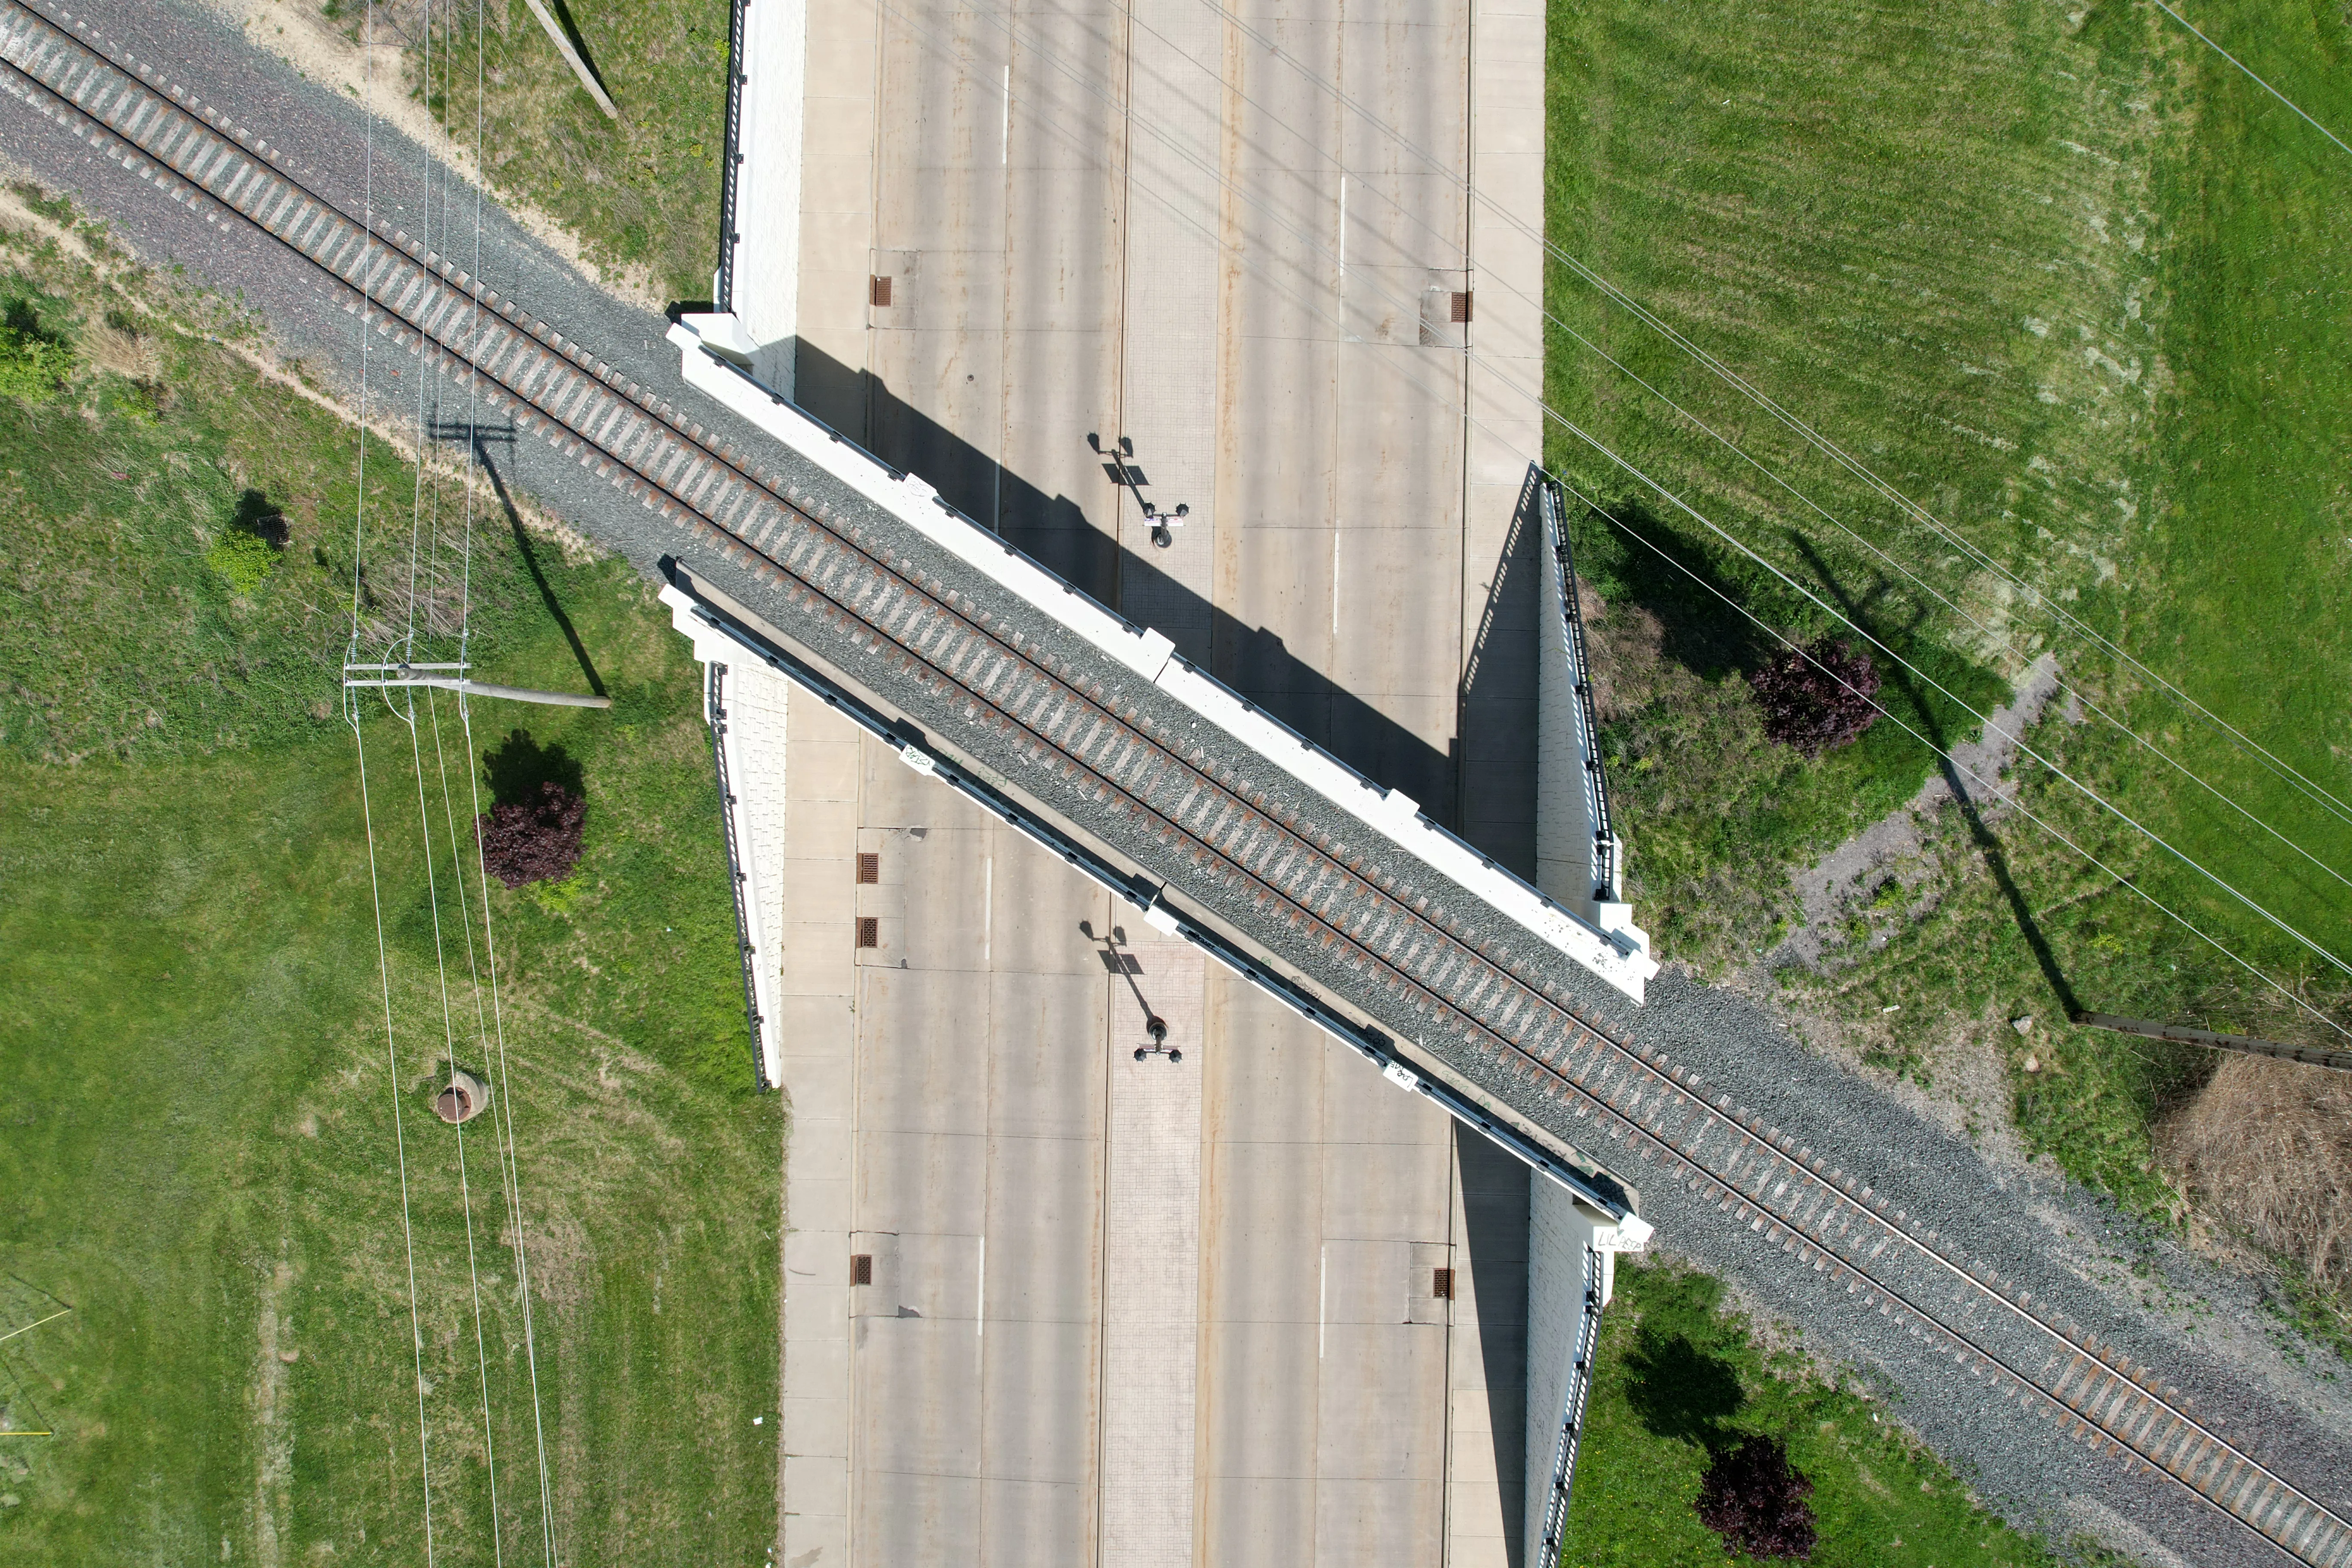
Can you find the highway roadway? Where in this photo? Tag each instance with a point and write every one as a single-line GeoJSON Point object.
{"type": "Point", "coordinates": [1049, 201]}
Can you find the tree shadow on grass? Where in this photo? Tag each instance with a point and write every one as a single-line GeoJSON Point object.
{"type": "Point", "coordinates": [257, 516]}
{"type": "Point", "coordinates": [1651, 563]}
{"type": "Point", "coordinates": [1679, 1391]}
{"type": "Point", "coordinates": [517, 765]}
{"type": "Point", "coordinates": [1968, 790]}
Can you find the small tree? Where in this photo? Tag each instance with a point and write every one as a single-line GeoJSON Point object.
{"type": "Point", "coordinates": [1817, 699]}
{"type": "Point", "coordinates": [535, 841]}
{"type": "Point", "coordinates": [1756, 1502]}
{"type": "Point", "coordinates": [32, 364]}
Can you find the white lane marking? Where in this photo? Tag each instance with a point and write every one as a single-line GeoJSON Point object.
{"type": "Point", "coordinates": [1343, 231]}
{"type": "Point", "coordinates": [1335, 584]}
{"type": "Point", "coordinates": [1322, 1281]}
{"type": "Point", "coordinates": [1004, 134]}
{"type": "Point", "coordinates": [987, 910]}
{"type": "Point", "coordinates": [979, 1304]}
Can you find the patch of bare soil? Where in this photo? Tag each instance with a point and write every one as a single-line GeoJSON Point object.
{"type": "Point", "coordinates": [2266, 1147]}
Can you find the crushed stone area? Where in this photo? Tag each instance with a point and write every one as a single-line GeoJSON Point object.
{"type": "Point", "coordinates": [2201, 1327]}
{"type": "Point", "coordinates": [1895, 844]}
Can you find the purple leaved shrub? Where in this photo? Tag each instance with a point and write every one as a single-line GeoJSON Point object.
{"type": "Point", "coordinates": [1819, 698]}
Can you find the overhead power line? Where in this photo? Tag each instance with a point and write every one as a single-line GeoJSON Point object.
{"type": "Point", "coordinates": [1314, 243]}
{"type": "Point", "coordinates": [1991, 786]}
{"type": "Point", "coordinates": [502, 1101]}
{"type": "Point", "coordinates": [367, 810]}
{"type": "Point", "coordinates": [2311, 790]}
{"type": "Point", "coordinates": [2258, 81]}
{"type": "Point", "coordinates": [2064, 687]}
{"type": "Point", "coordinates": [1880, 644]}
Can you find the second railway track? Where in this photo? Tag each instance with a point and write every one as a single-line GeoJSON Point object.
{"type": "Point", "coordinates": [1400, 943]}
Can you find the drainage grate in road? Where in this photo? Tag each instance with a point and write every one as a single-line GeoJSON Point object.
{"type": "Point", "coordinates": [869, 868]}
{"type": "Point", "coordinates": [869, 932]}
{"type": "Point", "coordinates": [861, 1269]}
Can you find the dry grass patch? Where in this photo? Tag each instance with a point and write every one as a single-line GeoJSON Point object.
{"type": "Point", "coordinates": [2266, 1146]}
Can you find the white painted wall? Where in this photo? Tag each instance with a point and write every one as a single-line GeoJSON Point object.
{"type": "Point", "coordinates": [1561, 1233]}
{"type": "Point", "coordinates": [768, 188]}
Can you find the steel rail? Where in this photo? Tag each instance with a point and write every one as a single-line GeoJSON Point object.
{"type": "Point", "coordinates": [1085, 734]}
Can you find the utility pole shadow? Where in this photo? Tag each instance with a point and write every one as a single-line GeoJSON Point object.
{"type": "Point", "coordinates": [481, 440]}
{"type": "Point", "coordinates": [1931, 725]}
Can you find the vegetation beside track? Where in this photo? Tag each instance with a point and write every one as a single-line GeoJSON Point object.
{"type": "Point", "coordinates": [2076, 286]}
{"type": "Point", "coordinates": [201, 1155]}
{"type": "Point", "coordinates": [1679, 1379]}
{"type": "Point", "coordinates": [640, 193]}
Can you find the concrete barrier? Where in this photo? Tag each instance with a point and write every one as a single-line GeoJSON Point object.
{"type": "Point", "coordinates": [1620, 958]}
{"type": "Point", "coordinates": [1571, 1268]}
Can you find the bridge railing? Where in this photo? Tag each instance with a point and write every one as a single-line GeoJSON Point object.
{"type": "Point", "coordinates": [1605, 849]}
{"type": "Point", "coordinates": [739, 878]}
{"type": "Point", "coordinates": [690, 600]}
{"type": "Point", "coordinates": [1578, 1388]}
{"type": "Point", "coordinates": [1622, 963]}
{"type": "Point", "coordinates": [731, 163]}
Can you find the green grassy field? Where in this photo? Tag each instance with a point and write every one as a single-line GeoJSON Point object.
{"type": "Point", "coordinates": [2074, 285]}
{"type": "Point", "coordinates": [641, 193]}
{"type": "Point", "coordinates": [1679, 1378]}
{"type": "Point", "coordinates": [202, 1156]}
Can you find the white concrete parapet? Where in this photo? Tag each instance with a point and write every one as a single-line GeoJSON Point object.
{"type": "Point", "coordinates": [757, 284]}
{"type": "Point", "coordinates": [1579, 859]}
{"type": "Point", "coordinates": [1622, 962]}
{"type": "Point", "coordinates": [752, 739]}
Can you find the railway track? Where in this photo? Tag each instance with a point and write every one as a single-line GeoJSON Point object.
{"type": "Point", "coordinates": [1139, 771]}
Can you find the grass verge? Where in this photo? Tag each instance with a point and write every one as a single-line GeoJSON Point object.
{"type": "Point", "coordinates": [208, 1118]}
{"type": "Point", "coordinates": [2071, 283]}
{"type": "Point", "coordinates": [641, 193]}
{"type": "Point", "coordinates": [1677, 1378]}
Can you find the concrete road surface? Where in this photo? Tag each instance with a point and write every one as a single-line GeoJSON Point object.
{"type": "Point", "coordinates": [1061, 261]}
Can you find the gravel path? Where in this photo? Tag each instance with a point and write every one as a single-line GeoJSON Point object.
{"type": "Point", "coordinates": [1826, 888]}
{"type": "Point", "coordinates": [2200, 1328]}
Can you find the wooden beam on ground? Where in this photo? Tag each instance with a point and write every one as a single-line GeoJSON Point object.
{"type": "Point", "coordinates": [2340, 1060]}
{"type": "Point", "coordinates": [580, 68]}
{"type": "Point", "coordinates": [484, 689]}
